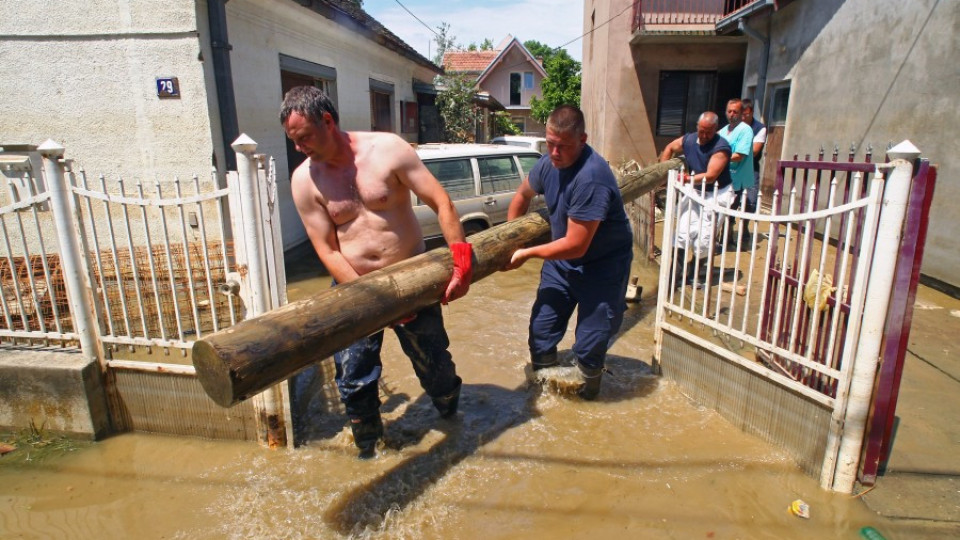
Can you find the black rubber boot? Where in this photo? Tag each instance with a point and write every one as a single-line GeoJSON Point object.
{"type": "Point", "coordinates": [591, 384]}
{"type": "Point", "coordinates": [543, 361]}
{"type": "Point", "coordinates": [366, 432]}
{"type": "Point", "coordinates": [447, 405]}
{"type": "Point", "coordinates": [679, 262]}
{"type": "Point", "coordinates": [698, 272]}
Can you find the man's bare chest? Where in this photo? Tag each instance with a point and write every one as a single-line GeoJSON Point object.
{"type": "Point", "coordinates": [348, 194]}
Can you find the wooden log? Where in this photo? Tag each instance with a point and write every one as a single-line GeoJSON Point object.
{"type": "Point", "coordinates": [238, 362]}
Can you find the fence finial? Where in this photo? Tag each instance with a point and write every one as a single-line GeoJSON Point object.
{"type": "Point", "coordinates": [51, 149]}
{"type": "Point", "coordinates": [905, 150]}
{"type": "Point", "coordinates": [244, 144]}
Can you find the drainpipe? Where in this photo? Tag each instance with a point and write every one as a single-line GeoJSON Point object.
{"type": "Point", "coordinates": [223, 80]}
{"type": "Point", "coordinates": [764, 59]}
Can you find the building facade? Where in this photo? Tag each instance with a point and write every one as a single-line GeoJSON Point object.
{"type": "Point", "coordinates": [509, 74]}
{"type": "Point", "coordinates": [159, 90]}
{"type": "Point", "coordinates": [854, 75]}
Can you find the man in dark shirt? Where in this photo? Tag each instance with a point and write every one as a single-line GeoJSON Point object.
{"type": "Point", "coordinates": [707, 155]}
{"type": "Point", "coordinates": [587, 263]}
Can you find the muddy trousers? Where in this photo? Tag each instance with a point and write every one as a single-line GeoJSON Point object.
{"type": "Point", "coordinates": [425, 342]}
{"type": "Point", "coordinates": [597, 293]}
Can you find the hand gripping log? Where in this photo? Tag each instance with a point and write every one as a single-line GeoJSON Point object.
{"type": "Point", "coordinates": [238, 362]}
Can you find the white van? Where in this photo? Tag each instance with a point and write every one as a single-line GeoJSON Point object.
{"type": "Point", "coordinates": [481, 180]}
{"type": "Point", "coordinates": [536, 143]}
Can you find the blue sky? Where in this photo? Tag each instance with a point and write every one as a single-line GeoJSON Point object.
{"type": "Point", "coordinates": [552, 22]}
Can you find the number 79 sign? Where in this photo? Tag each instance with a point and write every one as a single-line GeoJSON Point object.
{"type": "Point", "coordinates": [168, 87]}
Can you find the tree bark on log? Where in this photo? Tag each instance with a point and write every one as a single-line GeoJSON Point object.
{"type": "Point", "coordinates": [238, 362]}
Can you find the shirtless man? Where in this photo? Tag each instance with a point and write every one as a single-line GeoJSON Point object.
{"type": "Point", "coordinates": [353, 195]}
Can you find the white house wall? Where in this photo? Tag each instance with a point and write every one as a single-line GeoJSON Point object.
{"type": "Point", "coordinates": [261, 30]}
{"type": "Point", "coordinates": [873, 73]}
{"type": "Point", "coordinates": [84, 74]}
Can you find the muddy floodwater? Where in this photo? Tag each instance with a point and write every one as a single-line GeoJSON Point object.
{"type": "Point", "coordinates": [641, 462]}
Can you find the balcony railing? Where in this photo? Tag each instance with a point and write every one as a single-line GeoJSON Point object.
{"type": "Point", "coordinates": [684, 14]}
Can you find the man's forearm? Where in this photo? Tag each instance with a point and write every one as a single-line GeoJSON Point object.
{"type": "Point", "coordinates": [558, 250]}
{"type": "Point", "coordinates": [518, 207]}
{"type": "Point", "coordinates": [450, 225]}
{"type": "Point", "coordinates": [338, 267]}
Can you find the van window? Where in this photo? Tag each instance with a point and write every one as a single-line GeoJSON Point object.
{"type": "Point", "coordinates": [527, 163]}
{"type": "Point", "coordinates": [455, 175]}
{"type": "Point", "coordinates": [498, 174]}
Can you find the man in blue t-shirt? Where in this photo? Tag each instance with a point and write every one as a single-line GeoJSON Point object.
{"type": "Point", "coordinates": [740, 137]}
{"type": "Point", "coordinates": [587, 262]}
{"type": "Point", "coordinates": [706, 155]}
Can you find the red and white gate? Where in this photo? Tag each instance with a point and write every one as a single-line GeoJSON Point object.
{"type": "Point", "coordinates": [781, 331]}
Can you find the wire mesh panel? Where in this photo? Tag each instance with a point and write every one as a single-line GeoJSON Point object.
{"type": "Point", "coordinates": [33, 302]}
{"type": "Point", "coordinates": [157, 256]}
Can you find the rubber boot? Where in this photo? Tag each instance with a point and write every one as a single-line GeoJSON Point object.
{"type": "Point", "coordinates": [543, 361]}
{"type": "Point", "coordinates": [746, 238]}
{"type": "Point", "coordinates": [698, 272]}
{"type": "Point", "coordinates": [591, 382]}
{"type": "Point", "coordinates": [366, 432]}
{"type": "Point", "coordinates": [447, 405]}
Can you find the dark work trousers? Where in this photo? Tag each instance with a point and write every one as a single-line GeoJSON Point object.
{"type": "Point", "coordinates": [423, 339]}
{"type": "Point", "coordinates": [597, 291]}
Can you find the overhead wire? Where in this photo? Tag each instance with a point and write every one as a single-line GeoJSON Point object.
{"type": "Point", "coordinates": [555, 49]}
{"type": "Point", "coordinates": [417, 18]}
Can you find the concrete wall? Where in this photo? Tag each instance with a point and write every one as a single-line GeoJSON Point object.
{"type": "Point", "coordinates": [872, 73]}
{"type": "Point", "coordinates": [57, 390]}
{"type": "Point", "coordinates": [621, 81]}
{"type": "Point", "coordinates": [260, 30]}
{"type": "Point", "coordinates": [83, 74]}
{"type": "Point", "coordinates": [610, 95]}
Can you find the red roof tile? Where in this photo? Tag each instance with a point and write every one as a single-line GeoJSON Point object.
{"type": "Point", "coordinates": [475, 61]}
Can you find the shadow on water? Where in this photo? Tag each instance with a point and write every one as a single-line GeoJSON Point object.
{"type": "Point", "coordinates": [486, 412]}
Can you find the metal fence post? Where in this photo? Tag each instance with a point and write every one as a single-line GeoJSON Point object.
{"type": "Point", "coordinates": [879, 286]}
{"type": "Point", "coordinates": [271, 428]}
{"type": "Point", "coordinates": [78, 291]}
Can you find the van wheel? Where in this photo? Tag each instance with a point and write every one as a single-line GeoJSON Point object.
{"type": "Point", "coordinates": [472, 227]}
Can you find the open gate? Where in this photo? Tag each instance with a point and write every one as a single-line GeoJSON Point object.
{"type": "Point", "coordinates": [781, 329]}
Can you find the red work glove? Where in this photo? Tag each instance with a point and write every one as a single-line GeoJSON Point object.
{"type": "Point", "coordinates": [462, 271]}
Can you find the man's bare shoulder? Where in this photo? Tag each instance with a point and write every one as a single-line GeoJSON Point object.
{"type": "Point", "coordinates": [301, 174]}
{"type": "Point", "coordinates": [303, 186]}
{"type": "Point", "coordinates": [381, 141]}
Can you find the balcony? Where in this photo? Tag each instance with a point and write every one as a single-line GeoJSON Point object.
{"type": "Point", "coordinates": [654, 18]}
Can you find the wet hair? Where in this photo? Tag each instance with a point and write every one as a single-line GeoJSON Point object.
{"type": "Point", "coordinates": [567, 119]}
{"type": "Point", "coordinates": [711, 117]}
{"type": "Point", "coordinates": [747, 104]}
{"type": "Point", "coordinates": [309, 101]}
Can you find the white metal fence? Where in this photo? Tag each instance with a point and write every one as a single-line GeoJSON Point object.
{"type": "Point", "coordinates": [118, 267]}
{"type": "Point", "coordinates": [793, 302]}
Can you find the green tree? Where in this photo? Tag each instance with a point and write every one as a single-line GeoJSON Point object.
{"type": "Point", "coordinates": [503, 125]}
{"type": "Point", "coordinates": [486, 45]}
{"type": "Point", "coordinates": [455, 103]}
{"type": "Point", "coordinates": [445, 40]}
{"type": "Point", "coordinates": [538, 50]}
{"type": "Point", "coordinates": [561, 86]}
